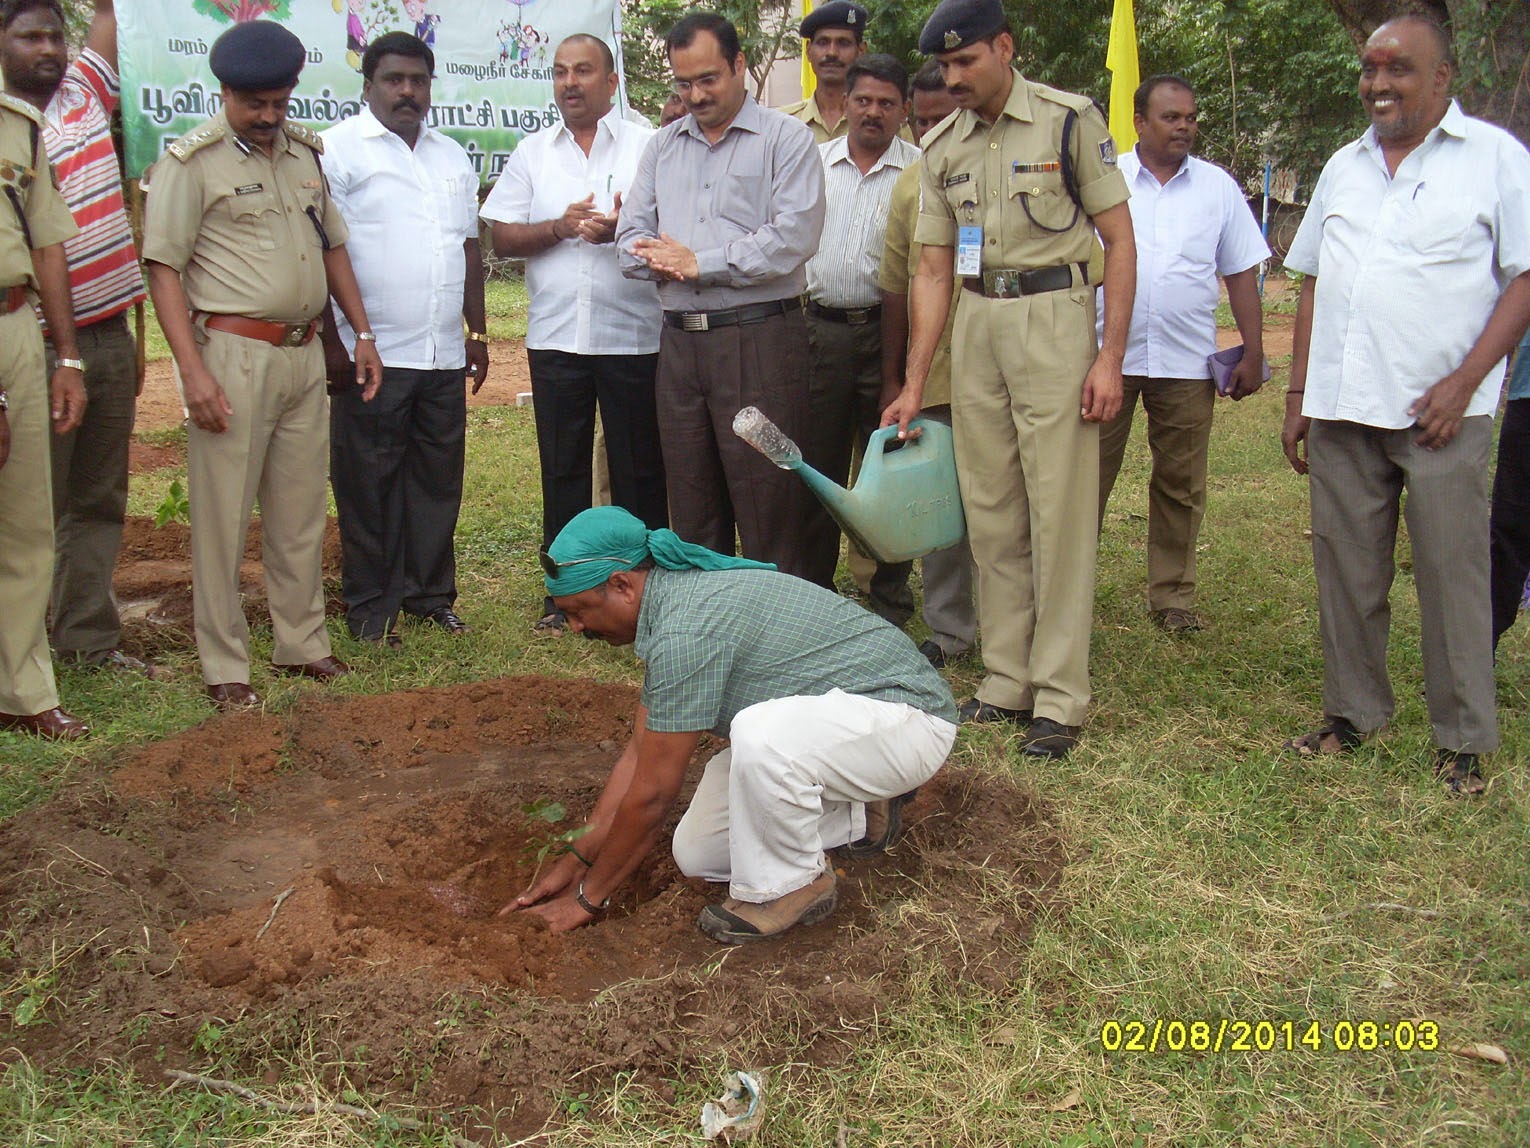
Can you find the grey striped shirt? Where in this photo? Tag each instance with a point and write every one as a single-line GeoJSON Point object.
{"type": "Point", "coordinates": [844, 272]}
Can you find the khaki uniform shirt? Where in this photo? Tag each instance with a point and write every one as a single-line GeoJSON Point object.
{"type": "Point", "coordinates": [235, 223]}
{"type": "Point", "coordinates": [900, 259]}
{"type": "Point", "coordinates": [26, 179]}
{"type": "Point", "coordinates": [1007, 178]}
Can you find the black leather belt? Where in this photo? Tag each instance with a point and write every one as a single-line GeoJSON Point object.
{"type": "Point", "coordinates": [15, 298]}
{"type": "Point", "coordinates": [732, 317]}
{"type": "Point", "coordinates": [1004, 284]}
{"type": "Point", "coordinates": [856, 316]}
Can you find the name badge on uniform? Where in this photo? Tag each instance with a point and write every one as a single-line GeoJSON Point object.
{"type": "Point", "coordinates": [249, 189]}
{"type": "Point", "coordinates": [969, 250]}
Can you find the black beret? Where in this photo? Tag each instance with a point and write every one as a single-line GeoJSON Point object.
{"type": "Point", "coordinates": [257, 56]}
{"type": "Point", "coordinates": [839, 14]}
{"type": "Point", "coordinates": [956, 23]}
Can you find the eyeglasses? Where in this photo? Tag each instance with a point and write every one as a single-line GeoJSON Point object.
{"type": "Point", "coordinates": [706, 83]}
{"type": "Point", "coordinates": [551, 566]}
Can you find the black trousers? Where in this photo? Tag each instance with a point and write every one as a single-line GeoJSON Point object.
{"type": "Point", "coordinates": [565, 390]}
{"type": "Point", "coordinates": [1511, 516]}
{"type": "Point", "coordinates": [846, 387]}
{"type": "Point", "coordinates": [396, 467]}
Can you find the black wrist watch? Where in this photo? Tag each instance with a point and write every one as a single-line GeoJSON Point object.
{"type": "Point", "coordinates": [587, 905]}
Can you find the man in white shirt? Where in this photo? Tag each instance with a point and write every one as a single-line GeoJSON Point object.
{"type": "Point", "coordinates": [1416, 252]}
{"type": "Point", "coordinates": [592, 336]}
{"type": "Point", "coordinates": [410, 196]}
{"type": "Point", "coordinates": [1192, 224]}
{"type": "Point", "coordinates": [844, 310]}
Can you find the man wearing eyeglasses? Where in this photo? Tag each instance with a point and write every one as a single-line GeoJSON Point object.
{"type": "Point", "coordinates": [726, 208]}
{"type": "Point", "coordinates": [833, 718]}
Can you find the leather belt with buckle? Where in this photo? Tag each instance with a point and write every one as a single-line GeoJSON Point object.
{"type": "Point", "coordinates": [15, 298]}
{"type": "Point", "coordinates": [856, 316]}
{"type": "Point", "coordinates": [1003, 284]}
{"type": "Point", "coordinates": [732, 317]}
{"type": "Point", "coordinates": [277, 334]}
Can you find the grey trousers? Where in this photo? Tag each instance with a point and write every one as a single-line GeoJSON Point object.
{"type": "Point", "coordinates": [90, 487]}
{"type": "Point", "coordinates": [1359, 475]}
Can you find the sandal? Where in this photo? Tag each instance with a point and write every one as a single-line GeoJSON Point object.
{"type": "Point", "coordinates": [1459, 773]}
{"type": "Point", "coordinates": [1345, 739]}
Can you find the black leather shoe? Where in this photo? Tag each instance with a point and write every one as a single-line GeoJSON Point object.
{"type": "Point", "coordinates": [448, 621]}
{"type": "Point", "coordinates": [973, 710]}
{"type": "Point", "coordinates": [1048, 738]}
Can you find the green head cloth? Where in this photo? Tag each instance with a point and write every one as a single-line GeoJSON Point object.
{"type": "Point", "coordinates": [604, 539]}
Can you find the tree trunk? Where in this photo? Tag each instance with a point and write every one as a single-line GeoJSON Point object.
{"type": "Point", "coordinates": [1492, 51]}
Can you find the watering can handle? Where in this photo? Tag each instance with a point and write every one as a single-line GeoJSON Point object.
{"type": "Point", "coordinates": [877, 443]}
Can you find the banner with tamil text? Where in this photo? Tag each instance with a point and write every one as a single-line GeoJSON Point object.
{"type": "Point", "coordinates": [493, 82]}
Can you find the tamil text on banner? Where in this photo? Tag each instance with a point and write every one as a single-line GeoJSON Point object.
{"type": "Point", "coordinates": [493, 82]}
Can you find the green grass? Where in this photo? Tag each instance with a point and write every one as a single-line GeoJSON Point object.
{"type": "Point", "coordinates": [1210, 875]}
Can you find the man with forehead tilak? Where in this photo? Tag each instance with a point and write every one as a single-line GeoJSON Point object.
{"type": "Point", "coordinates": [833, 720]}
{"type": "Point", "coordinates": [243, 245]}
{"type": "Point", "coordinates": [1014, 186]}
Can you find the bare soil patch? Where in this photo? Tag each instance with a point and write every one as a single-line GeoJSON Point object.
{"type": "Point", "coordinates": [400, 824]}
{"type": "Point", "coordinates": [153, 583]}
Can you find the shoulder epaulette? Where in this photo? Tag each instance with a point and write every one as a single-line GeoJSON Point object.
{"type": "Point", "coordinates": [1067, 99]}
{"type": "Point", "coordinates": [196, 139]}
{"type": "Point", "coordinates": [21, 107]}
{"type": "Point", "coordinates": [792, 109]}
{"type": "Point", "coordinates": [304, 135]}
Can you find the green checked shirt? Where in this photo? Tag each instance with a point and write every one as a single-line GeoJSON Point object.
{"type": "Point", "coordinates": [717, 642]}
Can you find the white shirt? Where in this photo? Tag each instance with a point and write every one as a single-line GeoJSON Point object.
{"type": "Point", "coordinates": [1409, 267]}
{"type": "Point", "coordinates": [1189, 230]}
{"type": "Point", "coordinates": [844, 272]}
{"type": "Point", "coordinates": [409, 210]}
{"type": "Point", "coordinates": [580, 302]}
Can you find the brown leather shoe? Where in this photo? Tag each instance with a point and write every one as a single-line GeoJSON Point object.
{"type": "Point", "coordinates": [321, 671]}
{"type": "Point", "coordinates": [54, 724]}
{"type": "Point", "coordinates": [233, 696]}
{"type": "Point", "coordinates": [737, 922]}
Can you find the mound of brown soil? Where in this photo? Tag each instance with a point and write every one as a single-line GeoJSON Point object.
{"type": "Point", "coordinates": [322, 886]}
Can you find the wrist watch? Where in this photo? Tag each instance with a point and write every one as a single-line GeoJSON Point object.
{"type": "Point", "coordinates": [365, 337]}
{"type": "Point", "coordinates": [5, 401]}
{"type": "Point", "coordinates": [589, 906]}
{"type": "Point", "coordinates": [477, 337]}
{"type": "Point", "coordinates": [73, 364]}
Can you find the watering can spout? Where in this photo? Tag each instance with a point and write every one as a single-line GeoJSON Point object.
{"type": "Point", "coordinates": [904, 504]}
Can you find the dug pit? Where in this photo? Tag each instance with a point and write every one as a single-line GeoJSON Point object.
{"type": "Point", "coordinates": [322, 886]}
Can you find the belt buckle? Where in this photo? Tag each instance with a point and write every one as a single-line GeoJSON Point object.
{"type": "Point", "coordinates": [295, 335]}
{"type": "Point", "coordinates": [1006, 285]}
{"type": "Point", "coordinates": [694, 321]}
{"type": "Point", "coordinates": [859, 317]}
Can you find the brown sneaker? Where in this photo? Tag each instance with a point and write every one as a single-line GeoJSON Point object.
{"type": "Point", "coordinates": [737, 922]}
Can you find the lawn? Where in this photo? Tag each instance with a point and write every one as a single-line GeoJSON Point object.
{"type": "Point", "coordinates": [1209, 878]}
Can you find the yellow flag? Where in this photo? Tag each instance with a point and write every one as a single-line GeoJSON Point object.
{"type": "Point", "coordinates": [809, 80]}
{"type": "Point", "coordinates": [1121, 61]}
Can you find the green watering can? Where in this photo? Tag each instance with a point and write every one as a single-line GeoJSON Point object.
{"type": "Point", "coordinates": [905, 502]}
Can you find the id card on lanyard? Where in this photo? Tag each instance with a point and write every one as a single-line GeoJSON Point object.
{"type": "Point", "coordinates": [969, 250]}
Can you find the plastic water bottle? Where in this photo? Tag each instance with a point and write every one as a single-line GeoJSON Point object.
{"type": "Point", "coordinates": [751, 425]}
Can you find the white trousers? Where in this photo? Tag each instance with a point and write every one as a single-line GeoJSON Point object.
{"type": "Point", "coordinates": [794, 782]}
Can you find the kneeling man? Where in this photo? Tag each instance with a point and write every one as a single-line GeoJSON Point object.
{"type": "Point", "coordinates": [834, 718]}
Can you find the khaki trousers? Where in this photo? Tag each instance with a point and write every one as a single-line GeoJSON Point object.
{"type": "Point", "coordinates": [1359, 474]}
{"type": "Point", "coordinates": [1179, 416]}
{"type": "Point", "coordinates": [26, 523]}
{"type": "Point", "coordinates": [1029, 466]}
{"type": "Point", "coordinates": [276, 449]}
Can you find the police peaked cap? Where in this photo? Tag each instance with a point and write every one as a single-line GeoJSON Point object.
{"type": "Point", "coordinates": [956, 23]}
{"type": "Point", "coordinates": [257, 56]}
{"type": "Point", "coordinates": [839, 14]}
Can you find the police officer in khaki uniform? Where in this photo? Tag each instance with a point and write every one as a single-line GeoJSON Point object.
{"type": "Point", "coordinates": [1010, 208]}
{"type": "Point", "coordinates": [34, 222]}
{"type": "Point", "coordinates": [834, 34]}
{"type": "Point", "coordinates": [243, 245]}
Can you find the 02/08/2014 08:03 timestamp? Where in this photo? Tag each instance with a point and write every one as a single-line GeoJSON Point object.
{"type": "Point", "coordinates": [1225, 1034]}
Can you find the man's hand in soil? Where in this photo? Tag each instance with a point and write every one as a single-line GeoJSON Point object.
{"type": "Point", "coordinates": [562, 876]}
{"type": "Point", "coordinates": [563, 914]}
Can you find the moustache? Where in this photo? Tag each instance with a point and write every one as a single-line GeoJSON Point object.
{"type": "Point", "coordinates": [406, 103]}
